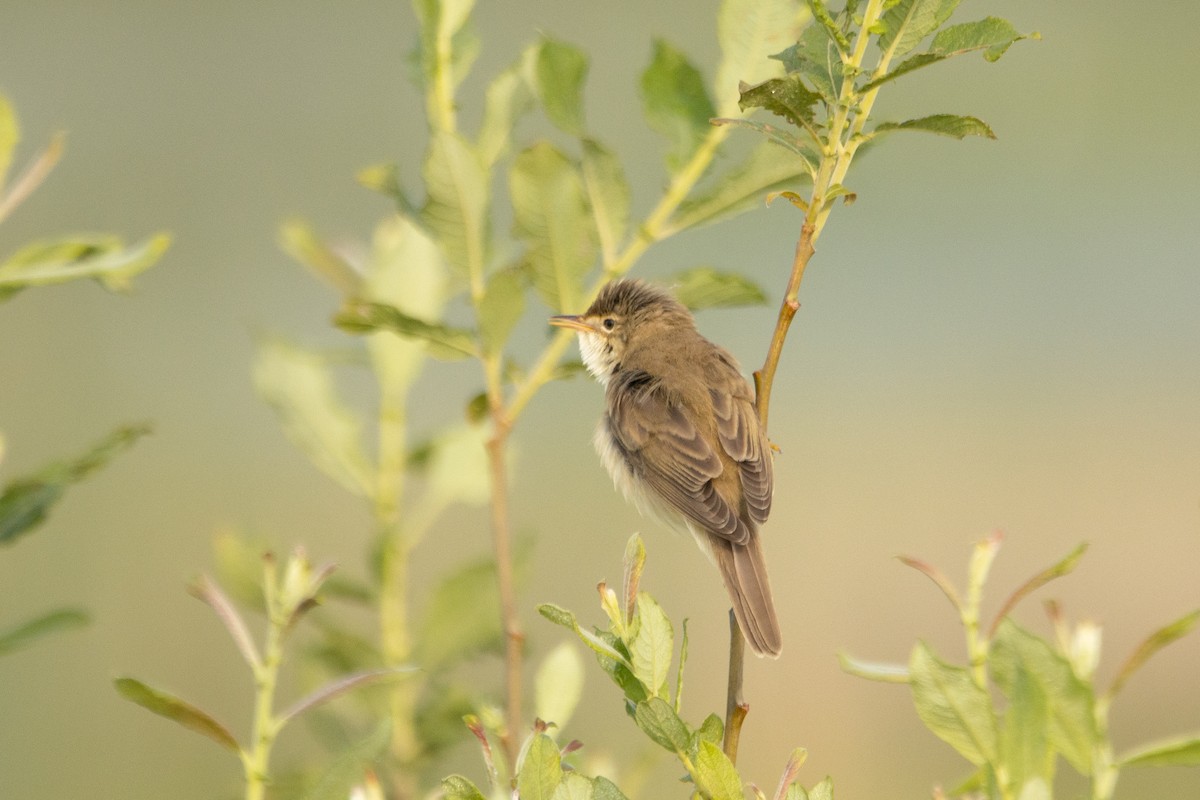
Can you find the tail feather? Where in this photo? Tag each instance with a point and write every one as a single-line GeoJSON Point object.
{"type": "Point", "coordinates": [744, 572]}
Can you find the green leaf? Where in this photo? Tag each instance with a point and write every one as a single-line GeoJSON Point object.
{"type": "Point", "coordinates": [827, 25]}
{"type": "Point", "coordinates": [603, 648]}
{"type": "Point", "coordinates": [704, 287]}
{"type": "Point", "coordinates": [298, 384]}
{"type": "Point", "coordinates": [633, 565]}
{"type": "Point", "coordinates": [822, 791]}
{"type": "Point", "coordinates": [1024, 735]}
{"type": "Point", "coordinates": [444, 342]}
{"type": "Point", "coordinates": [541, 770]}
{"type": "Point", "coordinates": [560, 72]}
{"type": "Point", "coordinates": [676, 103]}
{"type": "Point", "coordinates": [1063, 567]}
{"type": "Point", "coordinates": [1017, 655]}
{"type": "Point", "coordinates": [748, 32]}
{"type": "Point", "coordinates": [348, 768]}
{"type": "Point", "coordinates": [171, 707]}
{"type": "Point", "coordinates": [103, 258]}
{"type": "Point", "coordinates": [658, 720]}
{"type": "Point", "coordinates": [885, 673]}
{"type": "Point", "coordinates": [715, 775]}
{"type": "Point", "coordinates": [1151, 645]}
{"type": "Point", "coordinates": [711, 730]}
{"type": "Point", "coordinates": [604, 789]}
{"type": "Point", "coordinates": [456, 206]}
{"type": "Point", "coordinates": [501, 307]}
{"type": "Point", "coordinates": [652, 645]}
{"type": "Point", "coordinates": [942, 124]}
{"type": "Point", "coordinates": [25, 502]}
{"type": "Point", "coordinates": [1183, 752]}
{"type": "Point", "coordinates": [815, 57]}
{"type": "Point", "coordinates": [10, 134]}
{"type": "Point", "coordinates": [300, 241]}
{"type": "Point", "coordinates": [742, 187]}
{"type": "Point", "coordinates": [340, 687]}
{"type": "Point", "coordinates": [456, 787]}
{"type": "Point", "coordinates": [508, 98]}
{"type": "Point", "coordinates": [443, 23]}
{"type": "Point", "coordinates": [552, 219]}
{"type": "Point", "coordinates": [558, 685]}
{"type": "Point", "coordinates": [574, 787]}
{"type": "Point", "coordinates": [952, 706]}
{"type": "Point", "coordinates": [785, 97]}
{"type": "Point", "coordinates": [608, 196]}
{"type": "Point", "coordinates": [462, 617]}
{"type": "Point", "coordinates": [907, 22]}
{"type": "Point", "coordinates": [992, 35]}
{"type": "Point", "coordinates": [620, 670]}
{"type": "Point", "coordinates": [27, 633]}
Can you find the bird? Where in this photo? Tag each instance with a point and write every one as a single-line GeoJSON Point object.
{"type": "Point", "coordinates": [681, 438]}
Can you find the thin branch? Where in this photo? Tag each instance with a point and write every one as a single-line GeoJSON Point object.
{"type": "Point", "coordinates": [736, 706]}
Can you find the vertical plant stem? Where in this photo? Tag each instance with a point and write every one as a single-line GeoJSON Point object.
{"type": "Point", "coordinates": [256, 762]}
{"type": "Point", "coordinates": [736, 706]}
{"type": "Point", "coordinates": [502, 540]}
{"type": "Point", "coordinates": [395, 548]}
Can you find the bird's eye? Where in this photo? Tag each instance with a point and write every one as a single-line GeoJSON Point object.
{"type": "Point", "coordinates": [609, 323]}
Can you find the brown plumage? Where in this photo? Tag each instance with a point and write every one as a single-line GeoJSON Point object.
{"type": "Point", "coordinates": [681, 438]}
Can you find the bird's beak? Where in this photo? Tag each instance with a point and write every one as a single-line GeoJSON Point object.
{"type": "Point", "coordinates": [570, 321]}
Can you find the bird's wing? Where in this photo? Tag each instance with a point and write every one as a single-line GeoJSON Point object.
{"type": "Point", "coordinates": [665, 449]}
{"type": "Point", "coordinates": [742, 438]}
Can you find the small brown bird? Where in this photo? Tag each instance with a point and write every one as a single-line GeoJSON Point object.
{"type": "Point", "coordinates": [681, 438]}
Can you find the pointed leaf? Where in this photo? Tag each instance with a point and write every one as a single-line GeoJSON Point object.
{"type": "Point", "coordinates": [103, 258]}
{"type": "Point", "coordinates": [171, 707]}
{"type": "Point", "coordinates": [676, 103]}
{"type": "Point", "coordinates": [704, 287]}
{"type": "Point", "coordinates": [634, 565]}
{"type": "Point", "coordinates": [785, 97]}
{"type": "Point", "coordinates": [715, 775]}
{"type": "Point", "coordinates": [298, 385]}
{"type": "Point", "coordinates": [608, 196]}
{"type": "Point", "coordinates": [561, 616]}
{"type": "Point", "coordinates": [501, 307]}
{"type": "Point", "coordinates": [27, 633]}
{"type": "Point", "coordinates": [767, 169]}
{"type": "Point", "coordinates": [658, 720]}
{"type": "Point", "coordinates": [952, 706]}
{"type": "Point", "coordinates": [992, 35]}
{"type": "Point", "coordinates": [907, 22]}
{"type": "Point", "coordinates": [1064, 567]}
{"type": "Point", "coordinates": [711, 730]}
{"type": "Point", "coordinates": [560, 71]}
{"type": "Point", "coordinates": [815, 56]}
{"type": "Point", "coordinates": [341, 686]}
{"type": "Point", "coordinates": [1151, 645]}
{"type": "Point", "coordinates": [456, 208]}
{"type": "Point", "coordinates": [558, 685]}
{"type": "Point", "coordinates": [385, 179]}
{"type": "Point", "coordinates": [748, 32]}
{"type": "Point", "coordinates": [827, 25]}
{"type": "Point", "coordinates": [938, 577]}
{"type": "Point", "coordinates": [210, 593]}
{"type": "Point", "coordinates": [1018, 656]}
{"type": "Point", "coordinates": [1183, 752]}
{"type": "Point", "coordinates": [32, 177]}
{"type": "Point", "coordinates": [541, 770]}
{"type": "Point", "coordinates": [25, 502]}
{"type": "Point", "coordinates": [442, 25]}
{"type": "Point", "coordinates": [652, 645]}
{"type": "Point", "coordinates": [952, 125]}
{"type": "Point", "coordinates": [1024, 736]}
{"type": "Point", "coordinates": [444, 341]}
{"type": "Point", "coordinates": [552, 219]}
{"type": "Point", "coordinates": [822, 791]}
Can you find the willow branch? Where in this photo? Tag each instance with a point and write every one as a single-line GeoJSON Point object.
{"type": "Point", "coordinates": [736, 706]}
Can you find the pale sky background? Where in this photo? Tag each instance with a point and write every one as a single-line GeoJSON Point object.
{"type": "Point", "coordinates": [997, 335]}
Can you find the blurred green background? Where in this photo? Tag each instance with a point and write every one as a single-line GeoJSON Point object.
{"type": "Point", "coordinates": [997, 335]}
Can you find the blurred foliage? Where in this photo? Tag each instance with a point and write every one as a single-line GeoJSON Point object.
{"type": "Point", "coordinates": [1023, 701]}
{"type": "Point", "coordinates": [26, 501]}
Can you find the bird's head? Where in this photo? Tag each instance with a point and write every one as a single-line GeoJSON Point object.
{"type": "Point", "coordinates": [627, 313]}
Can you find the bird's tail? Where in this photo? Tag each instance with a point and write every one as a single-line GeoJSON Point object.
{"type": "Point", "coordinates": [744, 572]}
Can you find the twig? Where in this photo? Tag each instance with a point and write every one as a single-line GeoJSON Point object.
{"type": "Point", "coordinates": [736, 706]}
